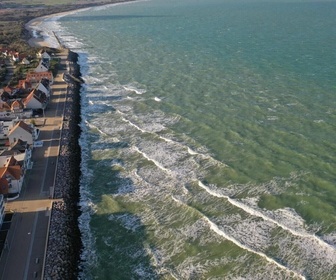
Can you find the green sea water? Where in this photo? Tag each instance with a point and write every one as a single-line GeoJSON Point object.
{"type": "Point", "coordinates": [208, 139]}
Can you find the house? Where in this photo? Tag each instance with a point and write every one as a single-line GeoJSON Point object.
{"type": "Point", "coordinates": [4, 106]}
{"type": "Point", "coordinates": [42, 67]}
{"type": "Point", "coordinates": [5, 127]}
{"type": "Point", "coordinates": [25, 61]}
{"type": "Point", "coordinates": [37, 99]}
{"type": "Point", "coordinates": [23, 131]}
{"type": "Point", "coordinates": [43, 55]}
{"type": "Point", "coordinates": [21, 152]}
{"type": "Point", "coordinates": [17, 106]}
{"type": "Point", "coordinates": [44, 86]}
{"type": "Point", "coordinates": [35, 77]}
{"type": "Point", "coordinates": [25, 85]}
{"type": "Point", "coordinates": [11, 177]}
{"type": "Point", "coordinates": [9, 89]}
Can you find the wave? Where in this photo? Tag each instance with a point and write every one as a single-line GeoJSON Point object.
{"type": "Point", "coordinates": [134, 89]}
{"type": "Point", "coordinates": [222, 233]}
{"type": "Point", "coordinates": [95, 127]}
{"type": "Point", "coordinates": [134, 125]}
{"type": "Point", "coordinates": [153, 160]}
{"type": "Point", "coordinates": [259, 214]}
{"type": "Point", "coordinates": [190, 151]}
{"type": "Point", "coordinates": [89, 254]}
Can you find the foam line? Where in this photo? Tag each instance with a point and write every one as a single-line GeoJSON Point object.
{"type": "Point", "coordinates": [137, 91]}
{"type": "Point", "coordinates": [165, 139]}
{"type": "Point", "coordinates": [190, 151]}
{"type": "Point", "coordinates": [153, 160]}
{"type": "Point", "coordinates": [220, 232]}
{"type": "Point", "coordinates": [132, 124]}
{"type": "Point", "coordinates": [254, 212]}
{"type": "Point", "coordinates": [95, 127]}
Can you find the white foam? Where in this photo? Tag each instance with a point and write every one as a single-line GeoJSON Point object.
{"type": "Point", "coordinates": [257, 213]}
{"type": "Point", "coordinates": [166, 139]}
{"type": "Point", "coordinates": [157, 99]}
{"type": "Point", "coordinates": [88, 254]}
{"type": "Point", "coordinates": [220, 232]}
{"type": "Point", "coordinates": [95, 127]}
{"type": "Point", "coordinates": [190, 151]}
{"type": "Point", "coordinates": [153, 160]}
{"type": "Point", "coordinates": [134, 89]}
{"type": "Point", "coordinates": [134, 125]}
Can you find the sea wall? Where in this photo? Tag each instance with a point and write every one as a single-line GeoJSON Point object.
{"type": "Point", "coordinates": [64, 242]}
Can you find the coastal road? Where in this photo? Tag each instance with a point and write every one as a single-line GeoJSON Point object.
{"type": "Point", "coordinates": [24, 253]}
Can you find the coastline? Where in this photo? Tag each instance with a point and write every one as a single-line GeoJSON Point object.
{"type": "Point", "coordinates": [64, 245]}
{"type": "Point", "coordinates": [38, 40]}
{"type": "Point", "coordinates": [64, 242]}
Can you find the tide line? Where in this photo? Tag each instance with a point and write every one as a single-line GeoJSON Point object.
{"type": "Point", "coordinates": [254, 212]}
{"type": "Point", "coordinates": [220, 232]}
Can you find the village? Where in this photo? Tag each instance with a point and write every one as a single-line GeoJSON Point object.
{"type": "Point", "coordinates": [40, 165]}
{"type": "Point", "coordinates": [22, 110]}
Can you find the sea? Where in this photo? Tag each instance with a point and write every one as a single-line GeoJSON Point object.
{"type": "Point", "coordinates": [208, 138]}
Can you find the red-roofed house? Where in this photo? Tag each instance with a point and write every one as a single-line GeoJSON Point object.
{"type": "Point", "coordinates": [11, 177]}
{"type": "Point", "coordinates": [24, 84]}
{"type": "Point", "coordinates": [17, 106]}
{"type": "Point", "coordinates": [35, 77]}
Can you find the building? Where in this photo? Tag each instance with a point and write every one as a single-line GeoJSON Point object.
{"type": "Point", "coordinates": [37, 99]}
{"type": "Point", "coordinates": [23, 131]}
{"type": "Point", "coordinates": [11, 177]}
{"type": "Point", "coordinates": [35, 77]}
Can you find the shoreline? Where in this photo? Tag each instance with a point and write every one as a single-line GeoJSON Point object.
{"type": "Point", "coordinates": [40, 41]}
{"type": "Point", "coordinates": [64, 244]}
{"type": "Point", "coordinates": [64, 247]}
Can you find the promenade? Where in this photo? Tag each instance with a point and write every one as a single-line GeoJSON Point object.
{"type": "Point", "coordinates": [24, 255]}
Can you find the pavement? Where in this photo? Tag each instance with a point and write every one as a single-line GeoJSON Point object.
{"type": "Point", "coordinates": [24, 253]}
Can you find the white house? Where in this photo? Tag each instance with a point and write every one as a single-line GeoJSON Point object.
{"type": "Point", "coordinates": [36, 100]}
{"type": "Point", "coordinates": [43, 55]}
{"type": "Point", "coordinates": [23, 131]}
{"type": "Point", "coordinates": [5, 127]}
{"type": "Point", "coordinates": [44, 86]}
{"type": "Point", "coordinates": [42, 67]}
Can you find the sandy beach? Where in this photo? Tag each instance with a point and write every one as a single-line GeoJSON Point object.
{"type": "Point", "coordinates": [37, 39]}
